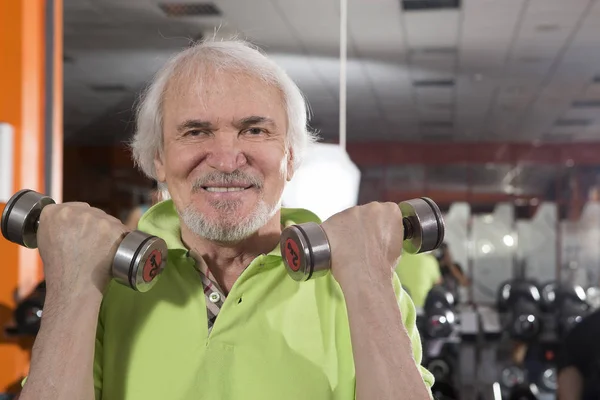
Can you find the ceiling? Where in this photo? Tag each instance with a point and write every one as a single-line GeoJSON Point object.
{"type": "Point", "coordinates": [489, 70]}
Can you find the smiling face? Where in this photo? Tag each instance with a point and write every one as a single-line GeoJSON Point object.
{"type": "Point", "coordinates": [225, 158]}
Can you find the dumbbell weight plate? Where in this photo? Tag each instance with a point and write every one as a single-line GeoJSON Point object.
{"type": "Point", "coordinates": [306, 251]}
{"type": "Point", "coordinates": [424, 226]}
{"type": "Point", "coordinates": [21, 215]}
{"type": "Point", "coordinates": [139, 260]}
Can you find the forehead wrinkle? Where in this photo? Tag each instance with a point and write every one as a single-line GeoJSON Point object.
{"type": "Point", "coordinates": [205, 76]}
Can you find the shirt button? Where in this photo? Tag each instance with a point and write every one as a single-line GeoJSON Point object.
{"type": "Point", "coordinates": [214, 297]}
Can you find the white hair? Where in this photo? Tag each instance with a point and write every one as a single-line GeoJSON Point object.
{"type": "Point", "coordinates": [231, 55]}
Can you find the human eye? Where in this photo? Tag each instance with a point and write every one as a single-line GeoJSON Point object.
{"type": "Point", "coordinates": [195, 132]}
{"type": "Point", "coordinates": [255, 131]}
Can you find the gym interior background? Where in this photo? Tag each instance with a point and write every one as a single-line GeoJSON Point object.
{"type": "Point", "coordinates": [489, 107]}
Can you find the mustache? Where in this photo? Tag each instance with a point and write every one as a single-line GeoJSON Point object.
{"type": "Point", "coordinates": [223, 178]}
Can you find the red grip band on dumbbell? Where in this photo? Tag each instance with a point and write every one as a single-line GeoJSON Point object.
{"type": "Point", "coordinates": [152, 266]}
{"type": "Point", "coordinates": [292, 255]}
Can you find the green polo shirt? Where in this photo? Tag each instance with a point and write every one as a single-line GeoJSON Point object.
{"type": "Point", "coordinates": [274, 338]}
{"type": "Point", "coordinates": [418, 273]}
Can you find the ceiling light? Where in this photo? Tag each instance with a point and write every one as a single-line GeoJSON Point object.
{"type": "Point", "coordinates": [433, 50]}
{"type": "Point", "coordinates": [586, 103]}
{"type": "Point", "coordinates": [573, 122]}
{"type": "Point", "coordinates": [434, 83]}
{"type": "Point", "coordinates": [508, 240]}
{"type": "Point", "coordinates": [547, 27]}
{"type": "Point", "coordinates": [418, 5]}
{"type": "Point", "coordinates": [437, 124]}
{"type": "Point", "coordinates": [189, 9]}
{"type": "Point", "coordinates": [109, 87]}
{"type": "Point", "coordinates": [532, 59]}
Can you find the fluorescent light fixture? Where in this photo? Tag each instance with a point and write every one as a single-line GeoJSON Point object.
{"type": "Point", "coordinates": [326, 183]}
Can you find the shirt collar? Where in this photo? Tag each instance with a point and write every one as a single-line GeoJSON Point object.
{"type": "Point", "coordinates": [162, 220]}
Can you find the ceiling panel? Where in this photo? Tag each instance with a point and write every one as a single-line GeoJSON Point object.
{"type": "Point", "coordinates": [369, 22]}
{"type": "Point", "coordinates": [472, 102]}
{"type": "Point", "coordinates": [424, 67]}
{"type": "Point", "coordinates": [260, 21]}
{"type": "Point", "coordinates": [484, 41]}
{"type": "Point", "coordinates": [419, 30]}
{"type": "Point", "coordinates": [322, 38]}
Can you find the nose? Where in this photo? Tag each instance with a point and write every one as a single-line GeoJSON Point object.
{"type": "Point", "coordinates": [225, 153]}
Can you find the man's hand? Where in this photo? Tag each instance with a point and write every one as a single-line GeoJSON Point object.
{"type": "Point", "coordinates": [366, 243]}
{"type": "Point", "coordinates": [77, 244]}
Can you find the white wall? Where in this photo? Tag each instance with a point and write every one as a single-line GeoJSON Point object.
{"type": "Point", "coordinates": [537, 243]}
{"type": "Point", "coordinates": [492, 258]}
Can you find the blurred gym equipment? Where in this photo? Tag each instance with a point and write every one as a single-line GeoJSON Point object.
{"type": "Point", "coordinates": [520, 300]}
{"type": "Point", "coordinates": [439, 318]}
{"type": "Point", "coordinates": [571, 307]}
{"type": "Point", "coordinates": [28, 314]}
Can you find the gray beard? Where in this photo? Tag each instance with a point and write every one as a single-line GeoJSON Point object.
{"type": "Point", "coordinates": [228, 229]}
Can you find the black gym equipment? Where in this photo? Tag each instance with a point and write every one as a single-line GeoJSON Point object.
{"type": "Point", "coordinates": [28, 314]}
{"type": "Point", "coordinates": [571, 307]}
{"type": "Point", "coordinates": [307, 253]}
{"type": "Point", "coordinates": [439, 320]}
{"type": "Point", "coordinates": [526, 391]}
{"type": "Point", "coordinates": [521, 299]}
{"type": "Point", "coordinates": [139, 259]}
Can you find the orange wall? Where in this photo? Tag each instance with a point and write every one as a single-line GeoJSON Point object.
{"type": "Point", "coordinates": [22, 105]}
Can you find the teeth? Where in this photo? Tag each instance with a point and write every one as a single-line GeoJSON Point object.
{"type": "Point", "coordinates": [225, 189]}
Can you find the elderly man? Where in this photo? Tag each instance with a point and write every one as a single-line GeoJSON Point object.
{"type": "Point", "coordinates": [224, 128]}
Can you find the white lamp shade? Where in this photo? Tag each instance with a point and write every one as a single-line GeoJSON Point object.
{"type": "Point", "coordinates": [326, 183]}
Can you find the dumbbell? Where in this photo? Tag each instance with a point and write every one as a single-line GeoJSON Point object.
{"type": "Point", "coordinates": [439, 314]}
{"type": "Point", "coordinates": [521, 299]}
{"type": "Point", "coordinates": [306, 251]}
{"type": "Point", "coordinates": [572, 307]}
{"type": "Point", "coordinates": [138, 261]}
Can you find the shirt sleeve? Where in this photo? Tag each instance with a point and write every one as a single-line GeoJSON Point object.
{"type": "Point", "coordinates": [409, 318]}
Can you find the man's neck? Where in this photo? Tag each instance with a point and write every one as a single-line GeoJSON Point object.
{"type": "Point", "coordinates": [227, 261]}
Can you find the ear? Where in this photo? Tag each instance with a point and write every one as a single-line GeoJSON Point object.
{"type": "Point", "coordinates": [290, 164]}
{"type": "Point", "coordinates": [159, 167]}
